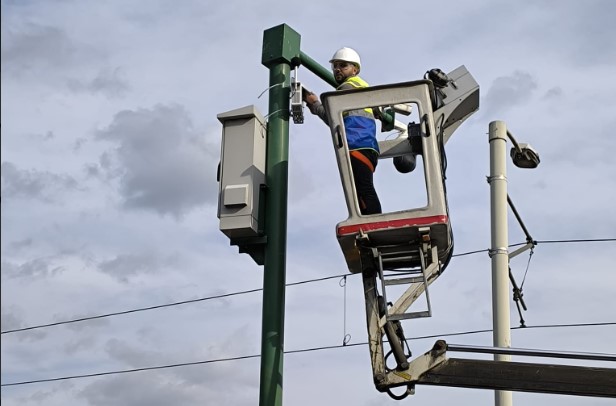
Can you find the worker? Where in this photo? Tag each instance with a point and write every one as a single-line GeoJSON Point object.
{"type": "Point", "coordinates": [360, 128]}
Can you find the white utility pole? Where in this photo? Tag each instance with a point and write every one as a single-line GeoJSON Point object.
{"type": "Point", "coordinates": [499, 248]}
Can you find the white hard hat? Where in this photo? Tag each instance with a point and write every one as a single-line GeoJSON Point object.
{"type": "Point", "coordinates": [347, 55]}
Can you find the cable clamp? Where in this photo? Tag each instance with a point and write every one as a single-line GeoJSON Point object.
{"type": "Point", "coordinates": [497, 177]}
{"type": "Point", "coordinates": [499, 250]}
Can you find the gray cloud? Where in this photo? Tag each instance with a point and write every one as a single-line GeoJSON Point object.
{"type": "Point", "coordinates": [162, 163]}
{"type": "Point", "coordinates": [36, 268]}
{"type": "Point", "coordinates": [147, 389]}
{"type": "Point", "coordinates": [81, 326]}
{"type": "Point", "coordinates": [121, 351]}
{"type": "Point", "coordinates": [128, 389]}
{"type": "Point", "coordinates": [213, 375]}
{"type": "Point", "coordinates": [576, 33]}
{"type": "Point", "coordinates": [185, 385]}
{"type": "Point", "coordinates": [11, 319]}
{"type": "Point", "coordinates": [585, 31]}
{"type": "Point", "coordinates": [553, 93]}
{"type": "Point", "coordinates": [34, 184]}
{"type": "Point", "coordinates": [35, 46]}
{"type": "Point", "coordinates": [80, 344]}
{"type": "Point", "coordinates": [109, 82]}
{"type": "Point", "coordinates": [123, 267]}
{"type": "Point", "coordinates": [508, 91]}
{"type": "Point", "coordinates": [45, 396]}
{"type": "Point", "coordinates": [41, 137]}
{"type": "Point", "coordinates": [597, 155]}
{"type": "Point", "coordinates": [21, 244]}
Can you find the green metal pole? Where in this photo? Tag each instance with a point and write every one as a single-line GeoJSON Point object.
{"type": "Point", "coordinates": [274, 279]}
{"type": "Point", "coordinates": [280, 48]}
{"type": "Point", "coordinates": [281, 51]}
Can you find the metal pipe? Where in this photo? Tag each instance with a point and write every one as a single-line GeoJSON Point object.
{"type": "Point", "coordinates": [513, 141]}
{"type": "Point", "coordinates": [314, 67]}
{"type": "Point", "coordinates": [520, 250]}
{"type": "Point", "coordinates": [499, 252]}
{"type": "Point", "coordinates": [517, 297]}
{"type": "Point", "coordinates": [517, 216]}
{"type": "Point", "coordinates": [375, 335]}
{"type": "Point", "coordinates": [527, 352]}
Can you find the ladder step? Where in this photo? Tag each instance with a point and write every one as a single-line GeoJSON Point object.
{"type": "Point", "coordinates": [416, 279]}
{"type": "Point", "coordinates": [411, 315]}
{"type": "Point", "coordinates": [397, 258]}
{"type": "Point", "coordinates": [404, 281]}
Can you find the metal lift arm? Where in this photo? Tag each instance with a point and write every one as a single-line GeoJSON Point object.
{"type": "Point", "coordinates": [434, 368]}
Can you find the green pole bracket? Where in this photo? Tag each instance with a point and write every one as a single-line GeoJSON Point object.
{"type": "Point", "coordinates": [388, 117]}
{"type": "Point", "coordinates": [317, 69]}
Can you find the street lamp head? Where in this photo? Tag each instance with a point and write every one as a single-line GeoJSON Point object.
{"type": "Point", "coordinates": [524, 156]}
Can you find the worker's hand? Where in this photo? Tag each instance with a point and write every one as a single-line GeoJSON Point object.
{"type": "Point", "coordinates": [310, 98]}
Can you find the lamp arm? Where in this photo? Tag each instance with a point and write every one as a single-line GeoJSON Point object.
{"type": "Point", "coordinates": [514, 142]}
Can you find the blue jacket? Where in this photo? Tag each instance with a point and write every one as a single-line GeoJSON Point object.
{"type": "Point", "coordinates": [359, 125]}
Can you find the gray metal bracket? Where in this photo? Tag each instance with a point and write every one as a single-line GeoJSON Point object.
{"type": "Point", "coordinates": [418, 284]}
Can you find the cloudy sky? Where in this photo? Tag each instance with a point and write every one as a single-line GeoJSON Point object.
{"type": "Point", "coordinates": [109, 150]}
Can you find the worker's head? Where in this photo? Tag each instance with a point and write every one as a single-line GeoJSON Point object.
{"type": "Point", "coordinates": [345, 63]}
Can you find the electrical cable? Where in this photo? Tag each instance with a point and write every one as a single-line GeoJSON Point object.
{"type": "Point", "coordinates": [17, 330]}
{"type": "Point", "coordinates": [443, 155]}
{"type": "Point", "coordinates": [345, 337]}
{"type": "Point", "coordinates": [580, 240]}
{"type": "Point", "coordinates": [530, 256]}
{"type": "Point", "coordinates": [470, 253]}
{"type": "Point", "coordinates": [141, 309]}
{"type": "Point", "coordinates": [183, 364]}
{"type": "Point", "coordinates": [129, 311]}
{"type": "Point", "coordinates": [272, 86]}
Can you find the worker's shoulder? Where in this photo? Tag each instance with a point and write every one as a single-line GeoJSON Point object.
{"type": "Point", "coordinates": [354, 82]}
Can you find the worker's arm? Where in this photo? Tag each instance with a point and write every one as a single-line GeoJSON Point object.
{"type": "Point", "coordinates": [315, 106]}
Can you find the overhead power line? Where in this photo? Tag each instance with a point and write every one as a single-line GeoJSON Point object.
{"type": "Point", "coordinates": [202, 299]}
{"type": "Point", "coordinates": [470, 253]}
{"type": "Point", "coordinates": [581, 240]}
{"type": "Point", "coordinates": [142, 309]}
{"type": "Point", "coordinates": [212, 361]}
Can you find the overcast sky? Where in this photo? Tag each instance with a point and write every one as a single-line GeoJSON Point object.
{"type": "Point", "coordinates": [109, 150]}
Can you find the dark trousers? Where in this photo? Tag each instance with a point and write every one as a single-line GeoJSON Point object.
{"type": "Point", "coordinates": [363, 164]}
